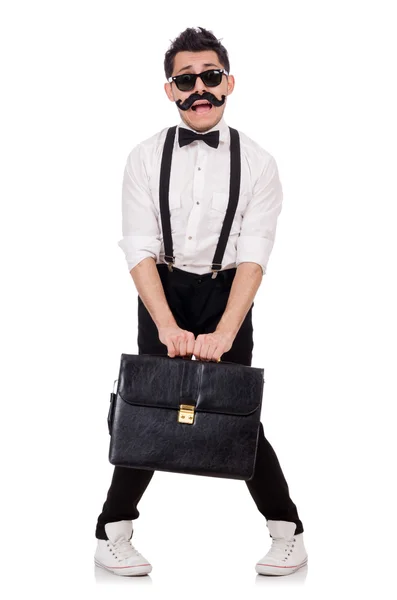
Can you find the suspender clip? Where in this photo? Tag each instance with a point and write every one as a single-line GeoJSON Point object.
{"type": "Point", "coordinates": [215, 271]}
{"type": "Point", "coordinates": [169, 264]}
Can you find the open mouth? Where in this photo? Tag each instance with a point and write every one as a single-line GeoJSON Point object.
{"type": "Point", "coordinates": [202, 107]}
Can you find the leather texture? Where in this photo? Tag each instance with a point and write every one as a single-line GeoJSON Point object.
{"type": "Point", "coordinates": [143, 416]}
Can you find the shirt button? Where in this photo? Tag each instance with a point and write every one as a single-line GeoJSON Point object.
{"type": "Point", "coordinates": [199, 168]}
{"type": "Point", "coordinates": [190, 237]}
{"type": "Point", "coordinates": [197, 202]}
{"type": "Point", "coordinates": [198, 280]}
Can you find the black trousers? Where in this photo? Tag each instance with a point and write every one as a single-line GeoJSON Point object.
{"type": "Point", "coordinates": [197, 303]}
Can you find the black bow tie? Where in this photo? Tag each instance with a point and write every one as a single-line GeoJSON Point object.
{"type": "Point", "coordinates": [186, 136]}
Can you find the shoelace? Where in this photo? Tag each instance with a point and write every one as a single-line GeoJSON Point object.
{"type": "Point", "coordinates": [125, 549]}
{"type": "Point", "coordinates": [280, 547]}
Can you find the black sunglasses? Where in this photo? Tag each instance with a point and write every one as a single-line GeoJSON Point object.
{"type": "Point", "coordinates": [187, 81]}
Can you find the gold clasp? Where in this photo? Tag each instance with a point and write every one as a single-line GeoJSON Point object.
{"type": "Point", "coordinates": [186, 413]}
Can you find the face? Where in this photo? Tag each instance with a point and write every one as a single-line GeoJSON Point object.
{"type": "Point", "coordinates": [197, 62]}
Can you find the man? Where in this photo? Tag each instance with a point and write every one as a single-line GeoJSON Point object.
{"type": "Point", "coordinates": [192, 302]}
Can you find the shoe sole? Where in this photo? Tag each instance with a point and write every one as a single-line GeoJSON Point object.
{"type": "Point", "coordinates": [136, 572]}
{"type": "Point", "coordinates": [278, 571]}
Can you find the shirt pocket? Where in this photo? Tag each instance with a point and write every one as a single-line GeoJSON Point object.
{"type": "Point", "coordinates": [175, 204]}
{"type": "Point", "coordinates": [176, 215]}
{"type": "Point", "coordinates": [217, 212]}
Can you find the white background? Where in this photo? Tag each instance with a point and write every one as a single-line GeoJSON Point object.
{"type": "Point", "coordinates": [315, 86]}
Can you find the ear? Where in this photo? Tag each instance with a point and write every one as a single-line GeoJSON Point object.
{"type": "Point", "coordinates": [230, 84]}
{"type": "Point", "coordinates": [168, 91]}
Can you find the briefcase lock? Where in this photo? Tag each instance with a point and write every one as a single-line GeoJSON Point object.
{"type": "Point", "coordinates": [186, 414]}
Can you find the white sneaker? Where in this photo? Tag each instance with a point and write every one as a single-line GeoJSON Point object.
{"type": "Point", "coordinates": [287, 554]}
{"type": "Point", "coordinates": [117, 554]}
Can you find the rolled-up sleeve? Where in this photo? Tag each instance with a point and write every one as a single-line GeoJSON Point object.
{"type": "Point", "coordinates": [258, 229]}
{"type": "Point", "coordinates": [140, 228]}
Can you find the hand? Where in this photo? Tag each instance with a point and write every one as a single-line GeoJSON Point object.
{"type": "Point", "coordinates": [179, 342]}
{"type": "Point", "coordinates": [211, 346]}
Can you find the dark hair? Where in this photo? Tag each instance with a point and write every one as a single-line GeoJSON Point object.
{"type": "Point", "coordinates": [193, 40]}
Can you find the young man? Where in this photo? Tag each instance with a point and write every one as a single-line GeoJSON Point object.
{"type": "Point", "coordinates": [196, 300]}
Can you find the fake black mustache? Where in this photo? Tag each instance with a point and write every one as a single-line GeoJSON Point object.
{"type": "Point", "coordinates": [205, 96]}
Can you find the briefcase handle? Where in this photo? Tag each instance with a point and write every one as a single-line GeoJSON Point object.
{"type": "Point", "coordinates": [226, 362]}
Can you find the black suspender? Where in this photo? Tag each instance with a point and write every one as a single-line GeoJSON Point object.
{"type": "Point", "coordinates": [165, 173]}
{"type": "Point", "coordinates": [234, 192]}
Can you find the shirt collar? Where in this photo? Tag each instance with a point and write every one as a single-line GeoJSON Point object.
{"type": "Point", "coordinates": [222, 126]}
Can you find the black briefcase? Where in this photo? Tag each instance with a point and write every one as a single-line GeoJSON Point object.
{"type": "Point", "coordinates": [186, 416]}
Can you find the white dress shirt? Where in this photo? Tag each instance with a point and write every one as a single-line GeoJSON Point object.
{"type": "Point", "coordinates": [198, 199]}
